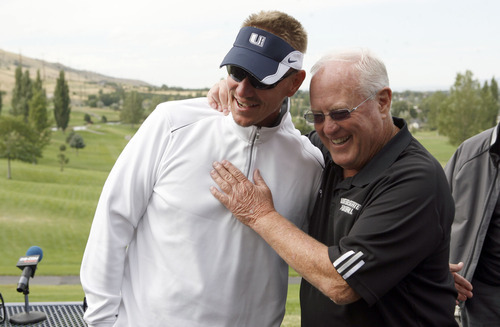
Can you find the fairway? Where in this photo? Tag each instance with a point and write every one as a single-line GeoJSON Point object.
{"type": "Point", "coordinates": [436, 144]}
{"type": "Point", "coordinates": [42, 205]}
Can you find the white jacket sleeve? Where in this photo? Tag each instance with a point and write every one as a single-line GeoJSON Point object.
{"type": "Point", "coordinates": [122, 203]}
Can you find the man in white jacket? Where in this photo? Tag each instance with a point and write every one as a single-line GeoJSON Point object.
{"type": "Point", "coordinates": [162, 251]}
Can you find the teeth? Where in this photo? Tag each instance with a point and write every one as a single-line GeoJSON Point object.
{"type": "Point", "coordinates": [340, 140]}
{"type": "Point", "coordinates": [245, 105]}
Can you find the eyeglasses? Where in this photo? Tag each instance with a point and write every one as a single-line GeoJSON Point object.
{"type": "Point", "coordinates": [3, 312]}
{"type": "Point", "coordinates": [337, 115]}
{"type": "Point", "coordinates": [239, 74]}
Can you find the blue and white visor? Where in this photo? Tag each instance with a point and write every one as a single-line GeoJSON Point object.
{"type": "Point", "coordinates": [263, 54]}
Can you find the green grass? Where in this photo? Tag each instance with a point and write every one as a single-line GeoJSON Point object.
{"type": "Point", "coordinates": [292, 314]}
{"type": "Point", "coordinates": [42, 205]}
{"type": "Point", "coordinates": [437, 145]}
{"type": "Point", "coordinates": [43, 293]}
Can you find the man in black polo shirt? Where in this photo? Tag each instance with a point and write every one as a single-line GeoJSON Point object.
{"type": "Point", "coordinates": [377, 254]}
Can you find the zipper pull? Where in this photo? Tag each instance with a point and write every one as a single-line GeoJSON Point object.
{"type": "Point", "coordinates": [257, 135]}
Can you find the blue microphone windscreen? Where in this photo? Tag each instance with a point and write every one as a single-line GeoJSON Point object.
{"type": "Point", "coordinates": [34, 250]}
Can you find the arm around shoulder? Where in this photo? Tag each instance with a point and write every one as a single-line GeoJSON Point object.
{"type": "Point", "coordinates": [252, 205]}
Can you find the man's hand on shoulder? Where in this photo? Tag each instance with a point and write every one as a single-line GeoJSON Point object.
{"type": "Point", "coordinates": [218, 97]}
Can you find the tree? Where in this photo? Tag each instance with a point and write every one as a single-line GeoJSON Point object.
{"type": "Point", "coordinates": [462, 114]}
{"type": "Point", "coordinates": [413, 113]}
{"type": "Point", "coordinates": [38, 115]}
{"type": "Point", "coordinates": [62, 157]}
{"type": "Point", "coordinates": [1, 94]}
{"type": "Point", "coordinates": [302, 125]}
{"type": "Point", "coordinates": [495, 95]}
{"type": "Point", "coordinates": [70, 136]}
{"type": "Point", "coordinates": [133, 111]}
{"type": "Point", "coordinates": [400, 108]}
{"type": "Point", "coordinates": [18, 141]}
{"type": "Point", "coordinates": [88, 119]}
{"type": "Point", "coordinates": [38, 119]}
{"type": "Point", "coordinates": [77, 142]}
{"type": "Point", "coordinates": [430, 107]}
{"type": "Point", "coordinates": [27, 95]}
{"type": "Point", "coordinates": [155, 101]}
{"type": "Point", "coordinates": [489, 107]}
{"type": "Point", "coordinates": [38, 83]}
{"type": "Point", "coordinates": [494, 89]}
{"type": "Point", "coordinates": [62, 101]}
{"type": "Point", "coordinates": [17, 92]}
{"type": "Point", "coordinates": [22, 93]}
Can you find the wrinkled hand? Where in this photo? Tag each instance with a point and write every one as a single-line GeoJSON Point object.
{"type": "Point", "coordinates": [218, 97]}
{"type": "Point", "coordinates": [247, 201]}
{"type": "Point", "coordinates": [463, 286]}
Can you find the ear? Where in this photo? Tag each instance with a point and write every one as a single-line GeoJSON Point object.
{"type": "Point", "coordinates": [384, 98]}
{"type": "Point", "coordinates": [297, 80]}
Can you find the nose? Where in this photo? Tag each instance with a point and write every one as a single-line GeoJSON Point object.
{"type": "Point", "coordinates": [329, 126]}
{"type": "Point", "coordinates": [245, 89]}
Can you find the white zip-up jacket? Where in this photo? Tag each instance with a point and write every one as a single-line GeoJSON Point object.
{"type": "Point", "coordinates": [163, 251]}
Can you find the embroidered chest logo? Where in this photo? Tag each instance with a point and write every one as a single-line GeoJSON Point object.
{"type": "Point", "coordinates": [348, 206]}
{"type": "Point", "coordinates": [257, 39]}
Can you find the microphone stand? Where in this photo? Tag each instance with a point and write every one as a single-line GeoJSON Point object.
{"type": "Point", "coordinates": [27, 317]}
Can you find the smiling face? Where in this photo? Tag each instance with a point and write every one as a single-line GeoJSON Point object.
{"type": "Point", "coordinates": [354, 141]}
{"type": "Point", "coordinates": [250, 106]}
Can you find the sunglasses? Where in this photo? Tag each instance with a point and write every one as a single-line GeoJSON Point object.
{"type": "Point", "coordinates": [239, 74]}
{"type": "Point", "coordinates": [336, 115]}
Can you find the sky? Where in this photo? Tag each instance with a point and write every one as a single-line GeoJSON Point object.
{"type": "Point", "coordinates": [424, 43]}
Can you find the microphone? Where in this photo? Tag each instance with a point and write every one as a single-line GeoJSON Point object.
{"type": "Point", "coordinates": [28, 265]}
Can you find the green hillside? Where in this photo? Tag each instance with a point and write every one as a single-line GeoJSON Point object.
{"type": "Point", "coordinates": [42, 205]}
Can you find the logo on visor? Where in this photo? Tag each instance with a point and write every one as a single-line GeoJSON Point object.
{"type": "Point", "coordinates": [257, 39]}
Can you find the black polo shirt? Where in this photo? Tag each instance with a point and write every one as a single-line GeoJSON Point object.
{"type": "Point", "coordinates": [388, 233]}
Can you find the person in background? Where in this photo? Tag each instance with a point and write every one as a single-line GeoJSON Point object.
{"type": "Point", "coordinates": [378, 245]}
{"type": "Point", "coordinates": [164, 252]}
{"type": "Point", "coordinates": [473, 175]}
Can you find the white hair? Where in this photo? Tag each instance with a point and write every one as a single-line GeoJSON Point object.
{"type": "Point", "coordinates": [371, 71]}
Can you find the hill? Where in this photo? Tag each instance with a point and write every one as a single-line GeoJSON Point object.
{"type": "Point", "coordinates": [81, 82]}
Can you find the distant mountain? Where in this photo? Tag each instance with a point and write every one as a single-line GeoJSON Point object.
{"type": "Point", "coordinates": [81, 82]}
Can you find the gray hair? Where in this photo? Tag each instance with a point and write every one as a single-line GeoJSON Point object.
{"type": "Point", "coordinates": [371, 70]}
